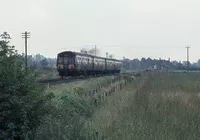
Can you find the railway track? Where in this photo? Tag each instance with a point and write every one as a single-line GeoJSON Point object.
{"type": "Point", "coordinates": [56, 81]}
{"type": "Point", "coordinates": [61, 81]}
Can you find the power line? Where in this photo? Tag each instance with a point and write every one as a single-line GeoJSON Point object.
{"type": "Point", "coordinates": [26, 35]}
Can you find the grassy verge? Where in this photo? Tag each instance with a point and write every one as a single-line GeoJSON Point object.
{"type": "Point", "coordinates": [160, 106]}
{"type": "Point", "coordinates": [74, 104]}
{"type": "Point", "coordinates": [47, 73]}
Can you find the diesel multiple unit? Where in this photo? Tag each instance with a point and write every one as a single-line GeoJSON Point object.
{"type": "Point", "coordinates": [75, 64]}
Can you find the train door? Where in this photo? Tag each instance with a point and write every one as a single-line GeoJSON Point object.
{"type": "Point", "coordinates": [92, 63]}
{"type": "Point", "coordinates": [78, 62]}
{"type": "Point", "coordinates": [106, 61]}
{"type": "Point", "coordinates": [60, 63]}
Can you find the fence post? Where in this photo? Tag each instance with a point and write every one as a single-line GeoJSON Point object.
{"type": "Point", "coordinates": [97, 136]}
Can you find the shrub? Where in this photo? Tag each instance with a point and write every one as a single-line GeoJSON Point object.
{"type": "Point", "coordinates": [22, 99]}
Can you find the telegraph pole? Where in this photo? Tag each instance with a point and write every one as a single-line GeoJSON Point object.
{"type": "Point", "coordinates": [95, 50]}
{"type": "Point", "coordinates": [187, 47]}
{"type": "Point", "coordinates": [106, 55]}
{"type": "Point", "coordinates": [26, 35]}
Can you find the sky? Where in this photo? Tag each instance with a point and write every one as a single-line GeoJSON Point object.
{"type": "Point", "coordinates": [124, 28]}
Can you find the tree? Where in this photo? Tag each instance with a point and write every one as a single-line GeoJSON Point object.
{"type": "Point", "coordinates": [5, 36]}
{"type": "Point", "coordinates": [44, 63]}
{"type": "Point", "coordinates": [135, 63]}
{"type": "Point", "coordinates": [84, 51]}
{"type": "Point", "coordinates": [92, 51]}
{"type": "Point", "coordinates": [111, 56]}
{"type": "Point", "coordinates": [23, 100]}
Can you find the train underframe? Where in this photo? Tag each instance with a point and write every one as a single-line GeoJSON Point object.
{"type": "Point", "coordinates": [65, 73]}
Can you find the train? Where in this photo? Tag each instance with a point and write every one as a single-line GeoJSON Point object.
{"type": "Point", "coordinates": [76, 64]}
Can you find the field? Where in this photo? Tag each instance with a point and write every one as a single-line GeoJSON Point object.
{"type": "Point", "coordinates": [153, 105]}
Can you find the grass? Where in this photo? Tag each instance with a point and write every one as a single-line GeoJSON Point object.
{"type": "Point", "coordinates": [159, 106]}
{"type": "Point", "coordinates": [73, 104]}
{"type": "Point", "coordinates": [154, 105]}
{"type": "Point", "coordinates": [47, 73]}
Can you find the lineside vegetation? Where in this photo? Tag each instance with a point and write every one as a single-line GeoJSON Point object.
{"type": "Point", "coordinates": [23, 101]}
{"type": "Point", "coordinates": [165, 106]}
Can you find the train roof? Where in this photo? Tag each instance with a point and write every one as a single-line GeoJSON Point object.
{"type": "Point", "coordinates": [82, 54]}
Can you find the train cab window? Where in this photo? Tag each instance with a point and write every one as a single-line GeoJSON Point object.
{"type": "Point", "coordinates": [70, 59]}
{"type": "Point", "coordinates": [60, 59]}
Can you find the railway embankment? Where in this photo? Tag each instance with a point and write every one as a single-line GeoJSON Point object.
{"type": "Point", "coordinates": [75, 102]}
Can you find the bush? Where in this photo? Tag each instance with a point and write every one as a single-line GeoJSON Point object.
{"type": "Point", "coordinates": [22, 99]}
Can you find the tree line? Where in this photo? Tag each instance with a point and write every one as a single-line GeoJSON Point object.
{"type": "Point", "coordinates": [159, 64]}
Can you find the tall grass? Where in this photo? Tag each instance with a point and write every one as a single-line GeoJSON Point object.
{"type": "Point", "coordinates": [73, 105]}
{"type": "Point", "coordinates": [47, 73]}
{"type": "Point", "coordinates": [160, 106]}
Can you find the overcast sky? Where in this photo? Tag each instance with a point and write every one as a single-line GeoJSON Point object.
{"type": "Point", "coordinates": [130, 28]}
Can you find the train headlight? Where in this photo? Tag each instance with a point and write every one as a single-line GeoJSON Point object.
{"type": "Point", "coordinates": [70, 66]}
{"type": "Point", "coordinates": [60, 66]}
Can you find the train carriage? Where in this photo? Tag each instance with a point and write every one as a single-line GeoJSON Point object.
{"type": "Point", "coordinates": [73, 64]}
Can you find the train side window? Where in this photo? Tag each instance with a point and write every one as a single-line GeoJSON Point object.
{"type": "Point", "coordinates": [83, 60]}
{"type": "Point", "coordinates": [79, 59]}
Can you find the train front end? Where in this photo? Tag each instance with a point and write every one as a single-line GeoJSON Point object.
{"type": "Point", "coordinates": [66, 64]}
